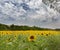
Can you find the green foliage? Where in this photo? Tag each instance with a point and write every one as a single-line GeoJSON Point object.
{"type": "Point", "coordinates": [4, 27]}
{"type": "Point", "coordinates": [17, 27]}
{"type": "Point", "coordinates": [20, 42]}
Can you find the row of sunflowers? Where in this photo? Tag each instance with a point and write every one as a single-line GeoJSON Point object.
{"type": "Point", "coordinates": [29, 40]}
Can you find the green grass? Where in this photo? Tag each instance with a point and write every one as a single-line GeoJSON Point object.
{"type": "Point", "coordinates": [21, 42]}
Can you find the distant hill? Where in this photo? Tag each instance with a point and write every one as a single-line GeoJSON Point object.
{"type": "Point", "coordinates": [16, 27]}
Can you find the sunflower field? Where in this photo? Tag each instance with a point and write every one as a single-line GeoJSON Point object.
{"type": "Point", "coordinates": [30, 40]}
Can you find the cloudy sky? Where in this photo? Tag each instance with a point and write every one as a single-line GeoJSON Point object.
{"type": "Point", "coordinates": [30, 12]}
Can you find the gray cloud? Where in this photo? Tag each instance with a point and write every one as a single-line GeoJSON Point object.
{"type": "Point", "coordinates": [28, 12]}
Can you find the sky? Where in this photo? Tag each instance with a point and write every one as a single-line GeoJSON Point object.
{"type": "Point", "coordinates": [29, 12]}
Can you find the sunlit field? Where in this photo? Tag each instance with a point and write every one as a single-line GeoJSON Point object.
{"type": "Point", "coordinates": [30, 40]}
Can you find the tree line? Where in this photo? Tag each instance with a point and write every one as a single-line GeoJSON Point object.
{"type": "Point", "coordinates": [17, 27]}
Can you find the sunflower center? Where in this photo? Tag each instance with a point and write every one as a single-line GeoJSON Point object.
{"type": "Point", "coordinates": [31, 37]}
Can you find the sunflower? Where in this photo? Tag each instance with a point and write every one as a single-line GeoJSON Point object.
{"type": "Point", "coordinates": [42, 34]}
{"type": "Point", "coordinates": [32, 38]}
{"type": "Point", "coordinates": [46, 34]}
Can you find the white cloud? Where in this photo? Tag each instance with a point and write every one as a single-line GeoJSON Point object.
{"type": "Point", "coordinates": [34, 12]}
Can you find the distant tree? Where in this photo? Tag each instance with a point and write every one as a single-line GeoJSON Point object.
{"type": "Point", "coordinates": [4, 27]}
{"type": "Point", "coordinates": [12, 27]}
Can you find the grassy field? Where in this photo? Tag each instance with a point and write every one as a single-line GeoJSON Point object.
{"type": "Point", "coordinates": [30, 40]}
